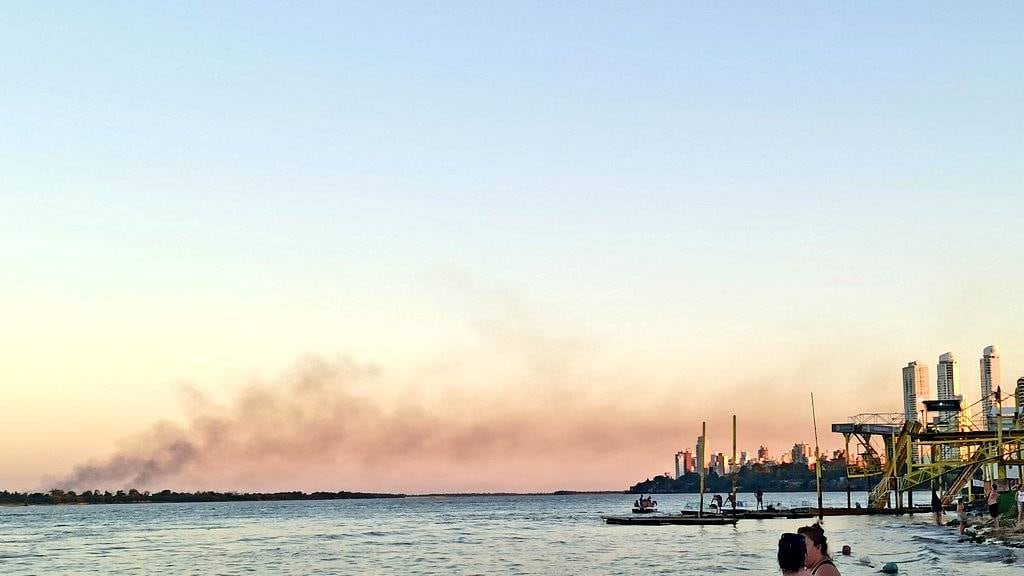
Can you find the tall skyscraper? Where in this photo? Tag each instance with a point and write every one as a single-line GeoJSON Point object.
{"type": "Point", "coordinates": [800, 453]}
{"type": "Point", "coordinates": [947, 384]}
{"type": "Point", "coordinates": [764, 456]}
{"type": "Point", "coordinates": [915, 390]}
{"type": "Point", "coordinates": [713, 462]}
{"type": "Point", "coordinates": [990, 381]}
{"type": "Point", "coordinates": [684, 463]}
{"type": "Point", "coordinates": [947, 387]}
{"type": "Point", "coordinates": [1019, 394]}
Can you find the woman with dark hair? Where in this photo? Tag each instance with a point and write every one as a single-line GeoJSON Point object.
{"type": "Point", "coordinates": [792, 554]}
{"type": "Point", "coordinates": [817, 560]}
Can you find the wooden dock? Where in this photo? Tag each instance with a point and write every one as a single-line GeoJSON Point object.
{"type": "Point", "coordinates": [756, 514]}
{"type": "Point", "coordinates": [670, 519]}
{"type": "Point", "coordinates": [868, 511]}
{"type": "Point", "coordinates": [728, 517]}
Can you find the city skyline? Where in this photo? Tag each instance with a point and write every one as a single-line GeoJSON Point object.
{"type": "Point", "coordinates": [949, 386]}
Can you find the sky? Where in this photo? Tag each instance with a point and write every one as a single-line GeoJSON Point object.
{"type": "Point", "coordinates": [431, 247]}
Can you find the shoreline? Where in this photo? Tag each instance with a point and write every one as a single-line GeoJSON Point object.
{"type": "Point", "coordinates": [980, 531]}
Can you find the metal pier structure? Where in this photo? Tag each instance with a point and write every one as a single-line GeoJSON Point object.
{"type": "Point", "coordinates": [900, 456]}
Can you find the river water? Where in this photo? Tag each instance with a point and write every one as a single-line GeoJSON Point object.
{"type": "Point", "coordinates": [455, 535]}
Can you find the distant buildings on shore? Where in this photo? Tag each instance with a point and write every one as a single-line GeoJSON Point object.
{"type": "Point", "coordinates": [916, 390]}
{"type": "Point", "coordinates": [687, 462]}
{"type": "Point", "coordinates": [948, 386]}
{"type": "Point", "coordinates": [991, 377]}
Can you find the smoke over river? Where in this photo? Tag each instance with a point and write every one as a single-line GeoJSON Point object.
{"type": "Point", "coordinates": [317, 413]}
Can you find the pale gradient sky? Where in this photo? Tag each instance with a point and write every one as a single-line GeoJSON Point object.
{"type": "Point", "coordinates": [525, 217]}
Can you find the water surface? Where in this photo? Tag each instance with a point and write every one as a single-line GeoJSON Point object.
{"type": "Point", "coordinates": [471, 535]}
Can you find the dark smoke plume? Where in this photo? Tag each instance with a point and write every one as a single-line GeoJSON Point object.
{"type": "Point", "coordinates": [314, 414]}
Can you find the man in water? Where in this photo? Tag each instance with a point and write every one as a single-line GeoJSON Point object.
{"type": "Point", "coordinates": [936, 507]}
{"type": "Point", "coordinates": [993, 502]}
{"type": "Point", "coordinates": [1020, 504]}
{"type": "Point", "coordinates": [961, 514]}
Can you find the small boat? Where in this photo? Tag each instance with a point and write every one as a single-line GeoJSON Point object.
{"type": "Point", "coordinates": [645, 505]}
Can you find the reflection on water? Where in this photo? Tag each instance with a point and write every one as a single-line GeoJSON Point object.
{"type": "Point", "coordinates": [479, 535]}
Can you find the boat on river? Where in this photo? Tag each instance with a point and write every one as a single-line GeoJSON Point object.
{"type": "Point", "coordinates": [645, 505]}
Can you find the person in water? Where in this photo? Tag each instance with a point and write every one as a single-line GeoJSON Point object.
{"type": "Point", "coordinates": [1020, 504]}
{"type": "Point", "coordinates": [936, 507]}
{"type": "Point", "coordinates": [961, 514]}
{"type": "Point", "coordinates": [817, 561]}
{"type": "Point", "coordinates": [993, 502]}
{"type": "Point", "coordinates": [732, 500]}
{"type": "Point", "coordinates": [792, 554]}
{"type": "Point", "coordinates": [759, 495]}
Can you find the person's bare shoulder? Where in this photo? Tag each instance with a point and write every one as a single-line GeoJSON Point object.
{"type": "Point", "coordinates": [827, 570]}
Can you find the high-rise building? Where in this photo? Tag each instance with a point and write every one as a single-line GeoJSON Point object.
{"type": "Point", "coordinates": [800, 453]}
{"type": "Point", "coordinates": [947, 387]}
{"type": "Point", "coordinates": [1019, 394]}
{"type": "Point", "coordinates": [684, 463]}
{"type": "Point", "coordinates": [762, 452]}
{"type": "Point", "coordinates": [990, 381]}
{"type": "Point", "coordinates": [743, 457]}
{"type": "Point", "coordinates": [915, 390]}
{"type": "Point", "coordinates": [718, 463]}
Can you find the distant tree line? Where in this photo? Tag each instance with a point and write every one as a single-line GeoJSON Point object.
{"type": "Point", "coordinates": [134, 496]}
{"type": "Point", "coordinates": [777, 478]}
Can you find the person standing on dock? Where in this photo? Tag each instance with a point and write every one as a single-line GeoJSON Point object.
{"type": "Point", "coordinates": [759, 495]}
{"type": "Point", "coordinates": [818, 561]}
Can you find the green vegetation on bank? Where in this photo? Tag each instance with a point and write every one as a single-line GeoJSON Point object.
{"type": "Point", "coordinates": [779, 478]}
{"type": "Point", "coordinates": [134, 496]}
